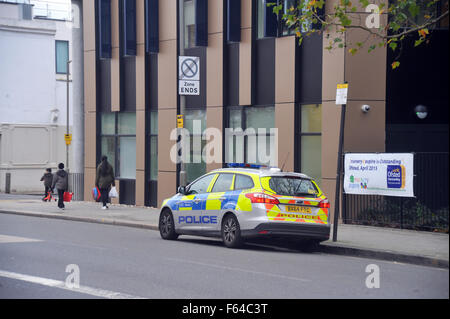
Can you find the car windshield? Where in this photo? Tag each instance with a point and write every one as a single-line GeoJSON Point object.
{"type": "Point", "coordinates": [289, 186]}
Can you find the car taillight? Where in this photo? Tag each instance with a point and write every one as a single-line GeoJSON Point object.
{"type": "Point", "coordinates": [324, 204]}
{"type": "Point", "coordinates": [262, 198]}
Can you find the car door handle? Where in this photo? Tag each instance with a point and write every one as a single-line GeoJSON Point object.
{"type": "Point", "coordinates": [222, 198]}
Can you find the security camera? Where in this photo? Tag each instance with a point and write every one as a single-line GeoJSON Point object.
{"type": "Point", "coordinates": [54, 114]}
{"type": "Point", "coordinates": [365, 108]}
{"type": "Point", "coordinates": [421, 111]}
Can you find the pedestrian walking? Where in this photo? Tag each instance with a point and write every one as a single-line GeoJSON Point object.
{"type": "Point", "coordinates": [60, 182]}
{"type": "Point", "coordinates": [104, 179]}
{"type": "Point", "coordinates": [47, 178]}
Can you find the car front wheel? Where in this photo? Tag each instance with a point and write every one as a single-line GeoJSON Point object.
{"type": "Point", "coordinates": [167, 225]}
{"type": "Point", "coordinates": [231, 232]}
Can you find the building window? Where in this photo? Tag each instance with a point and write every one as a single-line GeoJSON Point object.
{"type": "Point", "coordinates": [195, 123]}
{"type": "Point", "coordinates": [153, 145]}
{"type": "Point", "coordinates": [267, 22]}
{"type": "Point", "coordinates": [243, 144]}
{"type": "Point", "coordinates": [195, 23]}
{"type": "Point", "coordinates": [271, 25]}
{"type": "Point", "coordinates": [62, 56]}
{"type": "Point", "coordinates": [287, 5]}
{"type": "Point", "coordinates": [104, 28]}
{"type": "Point", "coordinates": [126, 147]}
{"type": "Point", "coordinates": [118, 142]}
{"type": "Point", "coordinates": [189, 24]}
{"type": "Point", "coordinates": [128, 11]}
{"type": "Point", "coordinates": [201, 22]}
{"type": "Point", "coordinates": [151, 157]}
{"type": "Point", "coordinates": [152, 26]}
{"type": "Point", "coordinates": [233, 20]}
{"type": "Point", "coordinates": [309, 133]}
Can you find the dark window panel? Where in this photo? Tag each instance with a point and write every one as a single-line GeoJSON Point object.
{"type": "Point", "coordinates": [234, 20]}
{"type": "Point", "coordinates": [264, 71]}
{"type": "Point", "coordinates": [151, 26]}
{"type": "Point", "coordinates": [321, 14]}
{"type": "Point", "coordinates": [270, 20]}
{"type": "Point", "coordinates": [129, 25]}
{"type": "Point", "coordinates": [104, 28]}
{"type": "Point", "coordinates": [201, 22]}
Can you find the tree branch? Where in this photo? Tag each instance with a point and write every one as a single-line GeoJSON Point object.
{"type": "Point", "coordinates": [380, 35]}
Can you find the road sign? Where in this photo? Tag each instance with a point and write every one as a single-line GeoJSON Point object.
{"type": "Point", "coordinates": [341, 93]}
{"type": "Point", "coordinates": [189, 75]}
{"type": "Point", "coordinates": [68, 138]}
{"type": "Point", "coordinates": [188, 87]}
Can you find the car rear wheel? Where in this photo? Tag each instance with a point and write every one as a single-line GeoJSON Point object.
{"type": "Point", "coordinates": [167, 225]}
{"type": "Point", "coordinates": [309, 245]}
{"type": "Point", "coordinates": [231, 232]}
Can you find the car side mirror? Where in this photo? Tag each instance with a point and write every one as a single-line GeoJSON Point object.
{"type": "Point", "coordinates": [182, 190]}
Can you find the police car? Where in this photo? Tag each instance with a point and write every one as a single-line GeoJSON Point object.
{"type": "Point", "coordinates": [244, 201]}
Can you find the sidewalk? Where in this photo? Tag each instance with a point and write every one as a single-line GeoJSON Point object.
{"type": "Point", "coordinates": [407, 246]}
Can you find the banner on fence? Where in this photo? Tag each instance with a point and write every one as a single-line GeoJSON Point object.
{"type": "Point", "coordinates": [388, 174]}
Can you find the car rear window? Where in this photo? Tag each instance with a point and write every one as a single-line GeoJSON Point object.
{"type": "Point", "coordinates": [243, 182]}
{"type": "Point", "coordinates": [223, 183]}
{"type": "Point", "coordinates": [289, 186]}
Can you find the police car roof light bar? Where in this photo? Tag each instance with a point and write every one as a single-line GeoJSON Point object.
{"type": "Point", "coordinates": [246, 165]}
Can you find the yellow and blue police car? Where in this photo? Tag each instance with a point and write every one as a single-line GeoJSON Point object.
{"type": "Point", "coordinates": [246, 200]}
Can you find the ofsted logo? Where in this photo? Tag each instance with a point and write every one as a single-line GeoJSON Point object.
{"type": "Point", "coordinates": [395, 176]}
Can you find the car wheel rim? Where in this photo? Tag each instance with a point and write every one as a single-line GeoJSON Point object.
{"type": "Point", "coordinates": [166, 224]}
{"type": "Point", "coordinates": [230, 230]}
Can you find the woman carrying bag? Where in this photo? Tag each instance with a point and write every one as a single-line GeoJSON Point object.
{"type": "Point", "coordinates": [104, 179]}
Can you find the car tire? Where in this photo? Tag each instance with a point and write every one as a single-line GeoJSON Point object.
{"type": "Point", "coordinates": [309, 245]}
{"type": "Point", "coordinates": [231, 232]}
{"type": "Point", "coordinates": [167, 225]}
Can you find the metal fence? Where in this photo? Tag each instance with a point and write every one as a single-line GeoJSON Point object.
{"type": "Point", "coordinates": [429, 210]}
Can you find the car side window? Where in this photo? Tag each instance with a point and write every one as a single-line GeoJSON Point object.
{"type": "Point", "coordinates": [223, 183]}
{"type": "Point", "coordinates": [201, 185]}
{"type": "Point", "coordinates": [243, 182]}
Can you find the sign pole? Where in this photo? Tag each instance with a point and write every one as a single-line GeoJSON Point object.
{"type": "Point", "coordinates": [341, 98]}
{"type": "Point", "coordinates": [182, 173]}
{"type": "Point", "coordinates": [67, 117]}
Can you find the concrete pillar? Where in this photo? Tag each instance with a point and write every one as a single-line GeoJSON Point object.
{"type": "Point", "coordinates": [77, 167]}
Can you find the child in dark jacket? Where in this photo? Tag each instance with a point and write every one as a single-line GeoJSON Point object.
{"type": "Point", "coordinates": [47, 178]}
{"type": "Point", "coordinates": [60, 182]}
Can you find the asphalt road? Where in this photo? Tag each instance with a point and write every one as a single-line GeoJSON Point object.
{"type": "Point", "coordinates": [122, 262]}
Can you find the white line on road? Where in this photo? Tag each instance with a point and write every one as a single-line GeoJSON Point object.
{"type": "Point", "coordinates": [62, 285]}
{"type": "Point", "coordinates": [15, 239]}
{"type": "Point", "coordinates": [239, 269]}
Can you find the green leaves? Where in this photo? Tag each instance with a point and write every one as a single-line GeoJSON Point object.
{"type": "Point", "coordinates": [371, 48]}
{"type": "Point", "coordinates": [364, 3]}
{"type": "Point", "coordinates": [395, 65]}
{"type": "Point", "coordinates": [353, 51]}
{"type": "Point", "coordinates": [393, 45]}
{"type": "Point", "coordinates": [414, 10]}
{"type": "Point", "coordinates": [405, 17]}
{"type": "Point", "coordinates": [418, 42]}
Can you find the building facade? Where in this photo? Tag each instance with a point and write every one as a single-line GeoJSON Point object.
{"type": "Point", "coordinates": [253, 74]}
{"type": "Point", "coordinates": [33, 95]}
